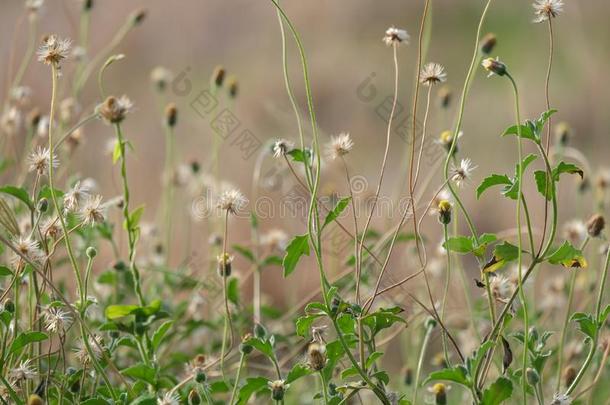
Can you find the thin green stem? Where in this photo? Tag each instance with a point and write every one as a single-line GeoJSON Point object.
{"type": "Point", "coordinates": [242, 360]}
{"type": "Point", "coordinates": [445, 293]}
{"type": "Point", "coordinates": [420, 361]}
{"type": "Point", "coordinates": [131, 231]}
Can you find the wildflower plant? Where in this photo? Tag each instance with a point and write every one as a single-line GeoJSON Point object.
{"type": "Point", "coordinates": [107, 300]}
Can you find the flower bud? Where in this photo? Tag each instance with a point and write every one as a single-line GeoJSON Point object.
{"type": "Point", "coordinates": [569, 374]}
{"type": "Point", "coordinates": [595, 225]}
{"type": "Point", "coordinates": [533, 378]}
{"type": "Point", "coordinates": [9, 306]}
{"type": "Point", "coordinates": [43, 205]}
{"type": "Point", "coordinates": [194, 398]}
{"type": "Point", "coordinates": [444, 96]}
{"type": "Point", "coordinates": [87, 5]}
{"type": "Point", "coordinates": [488, 43]}
{"type": "Point", "coordinates": [137, 17]}
{"type": "Point", "coordinates": [440, 393]}
{"type": "Point", "coordinates": [171, 115]}
{"type": "Point", "coordinates": [494, 66]}
{"type": "Point", "coordinates": [430, 323]}
{"type": "Point", "coordinates": [245, 348]}
{"type": "Point", "coordinates": [260, 331]}
{"type": "Point", "coordinates": [233, 86]}
{"type": "Point", "coordinates": [224, 265]}
{"type": "Point", "coordinates": [278, 389]}
{"type": "Point", "coordinates": [218, 76]}
{"type": "Point", "coordinates": [408, 376]}
{"type": "Point", "coordinates": [35, 400]}
{"type": "Point", "coordinates": [91, 252]}
{"type": "Point", "coordinates": [444, 212]}
{"type": "Point", "coordinates": [563, 133]}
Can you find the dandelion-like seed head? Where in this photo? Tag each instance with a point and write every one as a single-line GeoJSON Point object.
{"type": "Point", "coordinates": [24, 371]}
{"type": "Point", "coordinates": [33, 5]}
{"type": "Point", "coordinates": [433, 73]}
{"type": "Point", "coordinates": [92, 211]}
{"type": "Point", "coordinates": [28, 248]}
{"type": "Point", "coordinates": [114, 110]}
{"type": "Point", "coordinates": [395, 36]}
{"type": "Point", "coordinates": [75, 196]}
{"type": "Point", "coordinates": [547, 9]}
{"type": "Point", "coordinates": [96, 343]}
{"type": "Point", "coordinates": [282, 147]}
{"type": "Point", "coordinates": [275, 239]}
{"type": "Point", "coordinates": [53, 50]}
{"type": "Point", "coordinates": [561, 399]}
{"type": "Point", "coordinates": [56, 319]}
{"type": "Point", "coordinates": [231, 200]}
{"type": "Point", "coordinates": [51, 228]}
{"type": "Point", "coordinates": [169, 398]}
{"type": "Point", "coordinates": [40, 160]}
{"type": "Point", "coordinates": [462, 172]}
{"type": "Point", "coordinates": [501, 288]}
{"type": "Point", "coordinates": [161, 77]}
{"type": "Point", "coordinates": [339, 145]}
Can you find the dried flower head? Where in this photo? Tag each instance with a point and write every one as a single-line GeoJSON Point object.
{"type": "Point", "coordinates": [28, 248]}
{"type": "Point", "coordinates": [53, 50]}
{"type": "Point", "coordinates": [339, 145]}
{"type": "Point", "coordinates": [114, 110]}
{"type": "Point", "coordinates": [501, 288]}
{"type": "Point", "coordinates": [278, 389]}
{"type": "Point", "coordinates": [316, 356]}
{"type": "Point", "coordinates": [275, 239]}
{"type": "Point", "coordinates": [21, 95]}
{"type": "Point", "coordinates": [218, 76]}
{"type": "Point", "coordinates": [561, 399]}
{"type": "Point", "coordinates": [563, 133]}
{"type": "Point", "coordinates": [171, 115]}
{"type": "Point", "coordinates": [574, 231]}
{"type": "Point", "coordinates": [225, 264]}
{"type": "Point", "coordinates": [395, 36]}
{"type": "Point", "coordinates": [233, 86]}
{"type": "Point", "coordinates": [92, 211]}
{"type": "Point", "coordinates": [547, 9]}
{"type": "Point", "coordinates": [33, 5]}
{"type": "Point", "coordinates": [432, 73]}
{"type": "Point", "coordinates": [282, 147]}
{"type": "Point", "coordinates": [231, 200]}
{"type": "Point", "coordinates": [444, 212]}
{"type": "Point", "coordinates": [444, 96]}
{"type": "Point", "coordinates": [161, 78]}
{"type": "Point", "coordinates": [169, 398]}
{"type": "Point", "coordinates": [440, 393]}
{"type": "Point", "coordinates": [24, 371]}
{"type": "Point", "coordinates": [56, 319]}
{"type": "Point", "coordinates": [40, 160]}
{"type": "Point", "coordinates": [51, 228]}
{"type": "Point", "coordinates": [73, 198]}
{"type": "Point", "coordinates": [11, 121]}
{"type": "Point", "coordinates": [494, 66]}
{"type": "Point", "coordinates": [596, 225]}
{"type": "Point", "coordinates": [96, 344]}
{"type": "Point", "coordinates": [462, 173]}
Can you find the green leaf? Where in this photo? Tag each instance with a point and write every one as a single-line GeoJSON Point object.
{"type": "Point", "coordinates": [497, 392]}
{"type": "Point", "coordinates": [116, 153]}
{"type": "Point", "coordinates": [298, 247]}
{"type": "Point", "coordinates": [512, 191]}
{"type": "Point", "coordinates": [25, 339]}
{"type": "Point", "coordinates": [502, 254]}
{"type": "Point", "coordinates": [493, 180]}
{"type": "Point", "coordinates": [19, 193]}
{"type": "Point", "coordinates": [160, 333]}
{"type": "Point", "coordinates": [457, 374]}
{"type": "Point", "coordinates": [245, 252]}
{"type": "Point", "coordinates": [95, 401]}
{"type": "Point", "coordinates": [141, 372]}
{"type": "Point", "coordinates": [119, 311]}
{"type": "Point", "coordinates": [251, 386]}
{"type": "Point", "coordinates": [298, 370]}
{"type": "Point", "coordinates": [526, 132]}
{"type": "Point", "coordinates": [586, 323]}
{"type": "Point", "coordinates": [568, 168]}
{"type": "Point", "coordinates": [5, 271]}
{"type": "Point", "coordinates": [604, 315]}
{"type": "Point", "coordinates": [303, 324]}
{"type": "Point", "coordinates": [541, 184]}
{"type": "Point", "coordinates": [263, 346]}
{"type": "Point", "coordinates": [372, 359]}
{"type": "Point", "coordinates": [339, 208]}
{"type": "Point", "coordinates": [459, 244]}
{"type": "Point", "coordinates": [233, 291]}
{"type": "Point", "coordinates": [383, 319]}
{"type": "Point", "coordinates": [565, 254]}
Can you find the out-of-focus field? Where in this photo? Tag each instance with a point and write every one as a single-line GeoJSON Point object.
{"type": "Point", "coordinates": [343, 42]}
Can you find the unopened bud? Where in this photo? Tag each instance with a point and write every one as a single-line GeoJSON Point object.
{"type": "Point", "coordinates": [494, 66]}
{"type": "Point", "coordinates": [171, 115]}
{"type": "Point", "coordinates": [194, 398]}
{"type": "Point", "coordinates": [563, 133]}
{"type": "Point", "coordinates": [35, 400]}
{"type": "Point", "coordinates": [224, 265]}
{"type": "Point", "coordinates": [595, 225]}
{"type": "Point", "coordinates": [488, 43]}
{"type": "Point", "coordinates": [233, 86]}
{"type": "Point", "coordinates": [533, 378]}
{"type": "Point", "coordinates": [91, 252]}
{"type": "Point", "coordinates": [444, 212]}
{"type": "Point", "coordinates": [43, 205]}
{"type": "Point", "coordinates": [218, 76]}
{"type": "Point", "coordinates": [444, 96]}
{"type": "Point", "coordinates": [137, 17]}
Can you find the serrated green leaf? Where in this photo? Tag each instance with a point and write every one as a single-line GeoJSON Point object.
{"type": "Point", "coordinates": [160, 333]}
{"type": "Point", "coordinates": [141, 372]}
{"type": "Point", "coordinates": [245, 252]}
{"type": "Point", "coordinates": [457, 374]}
{"type": "Point", "coordinates": [336, 211]}
{"type": "Point", "coordinates": [19, 193]}
{"type": "Point", "coordinates": [498, 392]}
{"type": "Point", "coordinates": [25, 339]}
{"type": "Point", "coordinates": [586, 324]}
{"type": "Point", "coordinates": [298, 370]}
{"type": "Point", "coordinates": [459, 244]}
{"type": "Point", "coordinates": [490, 181]}
{"type": "Point", "coordinates": [298, 247]}
{"type": "Point", "coordinates": [251, 386]}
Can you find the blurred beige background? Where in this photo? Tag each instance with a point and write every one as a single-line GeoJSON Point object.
{"type": "Point", "coordinates": [343, 42]}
